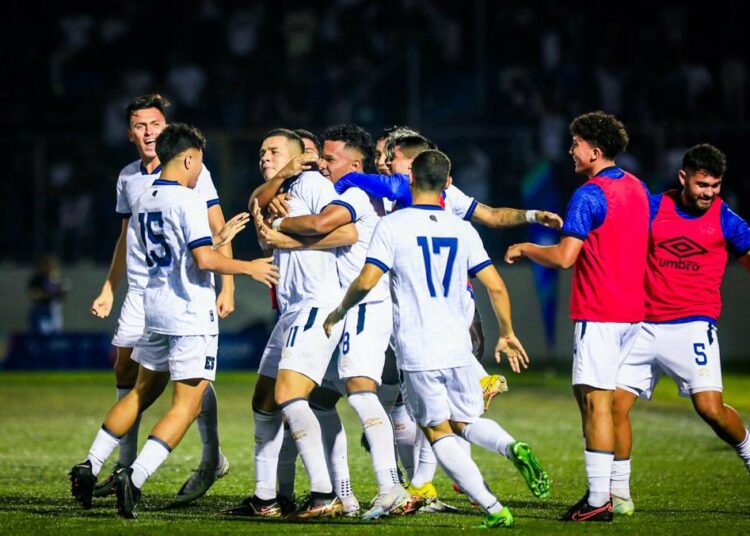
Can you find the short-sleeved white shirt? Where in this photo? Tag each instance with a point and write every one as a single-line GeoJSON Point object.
{"type": "Point", "coordinates": [131, 183]}
{"type": "Point", "coordinates": [307, 277]}
{"type": "Point", "coordinates": [429, 254]}
{"type": "Point", "coordinates": [366, 212]}
{"type": "Point", "coordinates": [459, 203]}
{"type": "Point", "coordinates": [170, 221]}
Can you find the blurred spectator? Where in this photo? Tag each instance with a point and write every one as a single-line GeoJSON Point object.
{"type": "Point", "coordinates": [47, 290]}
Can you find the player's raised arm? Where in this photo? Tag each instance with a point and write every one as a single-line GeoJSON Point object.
{"type": "Point", "coordinates": [500, 217]}
{"type": "Point", "coordinates": [332, 217]}
{"type": "Point", "coordinates": [262, 270]}
{"type": "Point", "coordinates": [507, 343]}
{"type": "Point", "coordinates": [562, 255]}
{"type": "Point", "coordinates": [360, 287]}
{"type": "Point", "coordinates": [102, 305]}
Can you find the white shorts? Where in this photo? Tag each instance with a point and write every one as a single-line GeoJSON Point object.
{"type": "Point", "coordinates": [479, 370]}
{"type": "Point", "coordinates": [435, 396]}
{"type": "Point", "coordinates": [688, 352]}
{"type": "Point", "coordinates": [367, 331]}
{"type": "Point", "coordinates": [599, 350]}
{"type": "Point", "coordinates": [299, 343]}
{"type": "Point", "coordinates": [131, 323]}
{"type": "Point", "coordinates": [186, 357]}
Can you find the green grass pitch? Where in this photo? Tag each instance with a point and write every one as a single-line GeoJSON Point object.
{"type": "Point", "coordinates": [685, 481]}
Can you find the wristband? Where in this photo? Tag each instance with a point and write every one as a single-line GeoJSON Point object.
{"type": "Point", "coordinates": [276, 224]}
{"type": "Point", "coordinates": [531, 216]}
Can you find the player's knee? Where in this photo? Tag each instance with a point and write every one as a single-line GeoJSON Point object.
{"type": "Point", "coordinates": [263, 396]}
{"type": "Point", "coordinates": [126, 370]}
{"type": "Point", "coordinates": [711, 411]}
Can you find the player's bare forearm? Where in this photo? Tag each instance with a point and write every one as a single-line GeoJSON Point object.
{"type": "Point", "coordinates": [332, 217]}
{"type": "Point", "coordinates": [562, 255]}
{"type": "Point", "coordinates": [499, 298]}
{"type": "Point", "coordinates": [118, 265]}
{"type": "Point", "coordinates": [262, 270]}
{"type": "Point", "coordinates": [498, 217]}
{"type": "Point", "coordinates": [264, 193]}
{"type": "Point", "coordinates": [345, 235]}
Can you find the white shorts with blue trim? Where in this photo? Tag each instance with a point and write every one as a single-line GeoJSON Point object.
{"type": "Point", "coordinates": [367, 332]}
{"type": "Point", "coordinates": [186, 357]}
{"type": "Point", "coordinates": [599, 350]}
{"type": "Point", "coordinates": [687, 352]}
{"type": "Point", "coordinates": [132, 321]}
{"type": "Point", "coordinates": [435, 396]}
{"type": "Point", "coordinates": [299, 343]}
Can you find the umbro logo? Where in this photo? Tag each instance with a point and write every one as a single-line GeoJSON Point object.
{"type": "Point", "coordinates": [682, 247]}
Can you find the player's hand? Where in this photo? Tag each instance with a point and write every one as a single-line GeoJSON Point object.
{"type": "Point", "coordinates": [298, 164]}
{"type": "Point", "coordinates": [102, 305]}
{"type": "Point", "coordinates": [263, 271]}
{"type": "Point", "coordinates": [549, 219]}
{"type": "Point", "coordinates": [231, 228]}
{"type": "Point", "coordinates": [336, 316]}
{"type": "Point", "coordinates": [225, 302]}
{"type": "Point", "coordinates": [514, 253]}
{"type": "Point", "coordinates": [278, 207]}
{"type": "Point", "coordinates": [273, 239]}
{"type": "Point", "coordinates": [510, 347]}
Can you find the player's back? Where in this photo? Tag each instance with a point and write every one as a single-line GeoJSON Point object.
{"type": "Point", "coordinates": [170, 221]}
{"type": "Point", "coordinates": [429, 254]}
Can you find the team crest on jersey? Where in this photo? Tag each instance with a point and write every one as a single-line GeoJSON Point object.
{"type": "Point", "coordinates": [210, 363]}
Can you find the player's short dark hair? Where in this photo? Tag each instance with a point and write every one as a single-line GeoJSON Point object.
{"type": "Point", "coordinates": [307, 135]}
{"type": "Point", "coordinates": [152, 100]}
{"type": "Point", "coordinates": [290, 135]}
{"type": "Point", "coordinates": [601, 130]}
{"type": "Point", "coordinates": [176, 138]}
{"type": "Point", "coordinates": [430, 170]}
{"type": "Point", "coordinates": [707, 158]}
{"type": "Point", "coordinates": [354, 137]}
{"type": "Point", "coordinates": [413, 145]}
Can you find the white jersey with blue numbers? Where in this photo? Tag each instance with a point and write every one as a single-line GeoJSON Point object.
{"type": "Point", "coordinates": [131, 183]}
{"type": "Point", "coordinates": [429, 254]}
{"type": "Point", "coordinates": [170, 221]}
{"type": "Point", "coordinates": [307, 277]}
{"type": "Point", "coordinates": [366, 212]}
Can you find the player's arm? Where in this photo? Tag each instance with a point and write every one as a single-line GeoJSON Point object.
{"type": "Point", "coordinates": [225, 299]}
{"type": "Point", "coordinates": [393, 187]}
{"type": "Point", "coordinates": [230, 229]}
{"type": "Point", "coordinates": [332, 217]}
{"type": "Point", "coordinates": [266, 191]}
{"type": "Point", "coordinates": [102, 305]}
{"type": "Point", "coordinates": [360, 287]}
{"type": "Point", "coordinates": [499, 217]}
{"type": "Point", "coordinates": [260, 269]}
{"type": "Point", "coordinates": [562, 255]}
{"type": "Point", "coordinates": [507, 343]}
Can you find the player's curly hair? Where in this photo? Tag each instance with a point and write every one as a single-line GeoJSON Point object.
{"type": "Point", "coordinates": [601, 130]}
{"type": "Point", "coordinates": [175, 139]}
{"type": "Point", "coordinates": [707, 158]}
{"type": "Point", "coordinates": [152, 100]}
{"type": "Point", "coordinates": [354, 137]}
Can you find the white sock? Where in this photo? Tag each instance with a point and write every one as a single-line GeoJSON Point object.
{"type": "Point", "coordinates": [619, 482]}
{"type": "Point", "coordinates": [465, 473]}
{"type": "Point", "coordinates": [208, 426]}
{"type": "Point", "coordinates": [306, 432]}
{"type": "Point", "coordinates": [427, 465]}
{"type": "Point", "coordinates": [104, 443]}
{"type": "Point", "coordinates": [336, 450]}
{"type": "Point", "coordinates": [379, 432]}
{"type": "Point", "coordinates": [128, 442]}
{"type": "Point", "coordinates": [404, 433]}
{"type": "Point", "coordinates": [465, 445]}
{"type": "Point", "coordinates": [489, 435]}
{"type": "Point", "coordinates": [388, 394]}
{"type": "Point", "coordinates": [287, 465]}
{"type": "Point", "coordinates": [598, 472]}
{"type": "Point", "coordinates": [268, 436]}
{"type": "Point", "coordinates": [152, 455]}
{"type": "Point", "coordinates": [743, 449]}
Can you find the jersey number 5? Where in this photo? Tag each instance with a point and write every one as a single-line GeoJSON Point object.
{"type": "Point", "coordinates": [146, 221]}
{"type": "Point", "coordinates": [438, 243]}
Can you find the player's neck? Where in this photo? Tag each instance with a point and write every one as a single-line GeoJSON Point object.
{"type": "Point", "coordinates": [150, 165]}
{"type": "Point", "coordinates": [598, 167]}
{"type": "Point", "coordinates": [170, 174]}
{"type": "Point", "coordinates": [425, 198]}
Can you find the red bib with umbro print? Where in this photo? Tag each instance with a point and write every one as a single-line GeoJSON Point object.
{"type": "Point", "coordinates": [609, 272]}
{"type": "Point", "coordinates": [686, 263]}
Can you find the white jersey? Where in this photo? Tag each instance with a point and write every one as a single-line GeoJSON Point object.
{"type": "Point", "coordinates": [179, 299]}
{"type": "Point", "coordinates": [366, 212]}
{"type": "Point", "coordinates": [131, 183]}
{"type": "Point", "coordinates": [459, 203]}
{"type": "Point", "coordinates": [429, 253]}
{"type": "Point", "coordinates": [307, 277]}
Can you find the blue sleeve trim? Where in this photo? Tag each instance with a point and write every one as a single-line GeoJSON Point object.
{"type": "Point", "coordinates": [654, 202]}
{"type": "Point", "coordinates": [379, 264]}
{"type": "Point", "coordinates": [347, 206]}
{"type": "Point", "coordinates": [205, 241]}
{"type": "Point", "coordinates": [479, 267]}
{"type": "Point", "coordinates": [124, 215]}
{"type": "Point", "coordinates": [212, 202]}
{"type": "Point", "coordinates": [586, 211]}
{"type": "Point", "coordinates": [736, 232]}
{"type": "Point", "coordinates": [472, 208]}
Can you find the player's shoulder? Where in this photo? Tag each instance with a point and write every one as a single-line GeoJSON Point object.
{"type": "Point", "coordinates": [133, 169]}
{"type": "Point", "coordinates": [311, 177]}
